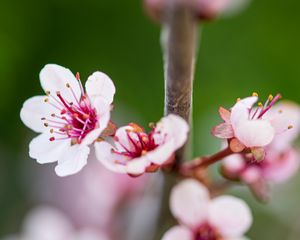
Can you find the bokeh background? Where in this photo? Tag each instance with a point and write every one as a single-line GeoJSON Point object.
{"type": "Point", "coordinates": [258, 50]}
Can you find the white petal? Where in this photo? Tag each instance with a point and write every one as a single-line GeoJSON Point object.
{"type": "Point", "coordinates": [176, 127]}
{"type": "Point", "coordinates": [91, 136]}
{"type": "Point", "coordinates": [240, 111]}
{"type": "Point", "coordinates": [178, 233]}
{"type": "Point", "coordinates": [54, 78]}
{"type": "Point", "coordinates": [137, 166]}
{"type": "Point", "coordinates": [254, 133]}
{"type": "Point", "coordinates": [162, 153]}
{"type": "Point", "coordinates": [72, 160]}
{"type": "Point", "coordinates": [230, 215]}
{"type": "Point", "coordinates": [33, 110]}
{"type": "Point", "coordinates": [189, 202]}
{"type": "Point", "coordinates": [100, 85]}
{"type": "Point", "coordinates": [46, 223]}
{"type": "Point", "coordinates": [107, 158]}
{"type": "Point", "coordinates": [46, 151]}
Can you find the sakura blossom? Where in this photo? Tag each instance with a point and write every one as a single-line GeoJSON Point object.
{"type": "Point", "coordinates": [282, 159]}
{"type": "Point", "coordinates": [201, 217]}
{"type": "Point", "coordinates": [48, 223]}
{"type": "Point", "coordinates": [133, 151]}
{"type": "Point", "coordinates": [68, 118]}
{"type": "Point", "coordinates": [250, 127]}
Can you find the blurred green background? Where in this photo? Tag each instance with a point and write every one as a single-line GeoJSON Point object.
{"type": "Point", "coordinates": [257, 50]}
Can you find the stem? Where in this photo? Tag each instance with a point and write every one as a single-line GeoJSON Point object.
{"type": "Point", "coordinates": [204, 161]}
{"type": "Point", "coordinates": [179, 40]}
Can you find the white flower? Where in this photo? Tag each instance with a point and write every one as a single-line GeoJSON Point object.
{"type": "Point", "coordinates": [68, 118]}
{"type": "Point", "coordinates": [134, 152]}
{"type": "Point", "coordinates": [224, 217]}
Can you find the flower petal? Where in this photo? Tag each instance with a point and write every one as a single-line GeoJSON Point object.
{"type": "Point", "coordinates": [46, 151]}
{"type": "Point", "coordinates": [89, 234]}
{"type": "Point", "coordinates": [100, 85]}
{"type": "Point", "coordinates": [223, 130]}
{"type": "Point", "coordinates": [178, 233]}
{"type": "Point", "coordinates": [230, 215]}
{"type": "Point", "coordinates": [162, 153]}
{"type": "Point", "coordinates": [72, 160]}
{"type": "Point", "coordinates": [46, 223]}
{"type": "Point", "coordinates": [254, 133]}
{"type": "Point", "coordinates": [234, 163]}
{"type": "Point", "coordinates": [33, 110]}
{"type": "Point", "coordinates": [107, 158]}
{"type": "Point", "coordinates": [137, 166]}
{"type": "Point", "coordinates": [55, 78]}
{"type": "Point", "coordinates": [174, 127]}
{"type": "Point", "coordinates": [281, 167]}
{"type": "Point", "coordinates": [189, 202]}
{"type": "Point", "coordinates": [240, 111]}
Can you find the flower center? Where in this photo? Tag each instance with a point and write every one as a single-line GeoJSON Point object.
{"type": "Point", "coordinates": [206, 232]}
{"type": "Point", "coordinates": [73, 120]}
{"type": "Point", "coordinates": [261, 109]}
{"type": "Point", "coordinates": [140, 141]}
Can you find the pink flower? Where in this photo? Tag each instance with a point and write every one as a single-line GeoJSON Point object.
{"type": "Point", "coordinates": [224, 217]}
{"type": "Point", "coordinates": [281, 159]}
{"type": "Point", "coordinates": [251, 127]}
{"type": "Point", "coordinates": [69, 119]}
{"type": "Point", "coordinates": [48, 223]}
{"type": "Point", "coordinates": [133, 151]}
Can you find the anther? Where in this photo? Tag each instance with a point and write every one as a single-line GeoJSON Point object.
{"type": "Point", "coordinates": [68, 85]}
{"type": "Point", "coordinates": [78, 76]}
{"type": "Point", "coordinates": [46, 124]}
{"type": "Point", "coordinates": [260, 104]}
{"type": "Point", "coordinates": [47, 93]}
{"type": "Point", "coordinates": [290, 126]}
{"type": "Point", "coordinates": [43, 118]}
{"type": "Point", "coordinates": [151, 125]}
{"type": "Point", "coordinates": [238, 99]}
{"type": "Point", "coordinates": [254, 94]}
{"type": "Point", "coordinates": [51, 130]}
{"type": "Point", "coordinates": [46, 100]}
{"type": "Point", "coordinates": [52, 139]}
{"type": "Point", "coordinates": [280, 111]}
{"type": "Point", "coordinates": [53, 115]}
{"type": "Point", "coordinates": [270, 97]}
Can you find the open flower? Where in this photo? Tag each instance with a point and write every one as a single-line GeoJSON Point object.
{"type": "Point", "coordinates": [251, 127]}
{"type": "Point", "coordinates": [202, 218]}
{"type": "Point", "coordinates": [69, 118]}
{"type": "Point", "coordinates": [281, 159]}
{"type": "Point", "coordinates": [133, 151]}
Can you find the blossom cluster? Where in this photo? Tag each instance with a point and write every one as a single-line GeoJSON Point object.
{"type": "Point", "coordinates": [71, 120]}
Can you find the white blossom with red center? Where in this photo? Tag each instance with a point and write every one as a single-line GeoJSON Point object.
{"type": "Point", "coordinates": [202, 218]}
{"type": "Point", "coordinates": [133, 151]}
{"type": "Point", "coordinates": [251, 127]}
{"type": "Point", "coordinates": [282, 160]}
{"type": "Point", "coordinates": [69, 118]}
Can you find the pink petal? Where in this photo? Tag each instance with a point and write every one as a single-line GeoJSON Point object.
{"type": "Point", "coordinates": [46, 223]}
{"type": "Point", "coordinates": [178, 233]}
{"type": "Point", "coordinates": [137, 166]}
{"type": "Point", "coordinates": [223, 130]}
{"type": "Point", "coordinates": [189, 202]}
{"type": "Point", "coordinates": [46, 151]}
{"type": "Point", "coordinates": [107, 158]}
{"type": "Point", "coordinates": [72, 160]}
{"type": "Point", "coordinates": [234, 163]}
{"type": "Point", "coordinates": [100, 85]}
{"type": "Point", "coordinates": [54, 78]}
{"type": "Point", "coordinates": [281, 167]}
{"type": "Point", "coordinates": [224, 114]}
{"type": "Point", "coordinates": [240, 111]}
{"type": "Point", "coordinates": [89, 234]}
{"type": "Point", "coordinates": [254, 133]}
{"type": "Point", "coordinates": [32, 112]}
{"type": "Point", "coordinates": [230, 215]}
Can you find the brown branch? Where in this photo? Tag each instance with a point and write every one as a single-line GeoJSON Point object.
{"type": "Point", "coordinates": [179, 41]}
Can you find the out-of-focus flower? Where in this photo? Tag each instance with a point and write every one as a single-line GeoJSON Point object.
{"type": "Point", "coordinates": [48, 223]}
{"type": "Point", "coordinates": [134, 151]}
{"type": "Point", "coordinates": [253, 128]}
{"type": "Point", "coordinates": [204, 9]}
{"type": "Point", "coordinates": [281, 159]}
{"type": "Point", "coordinates": [69, 118]}
{"type": "Point", "coordinates": [92, 198]}
{"type": "Point", "coordinates": [223, 217]}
